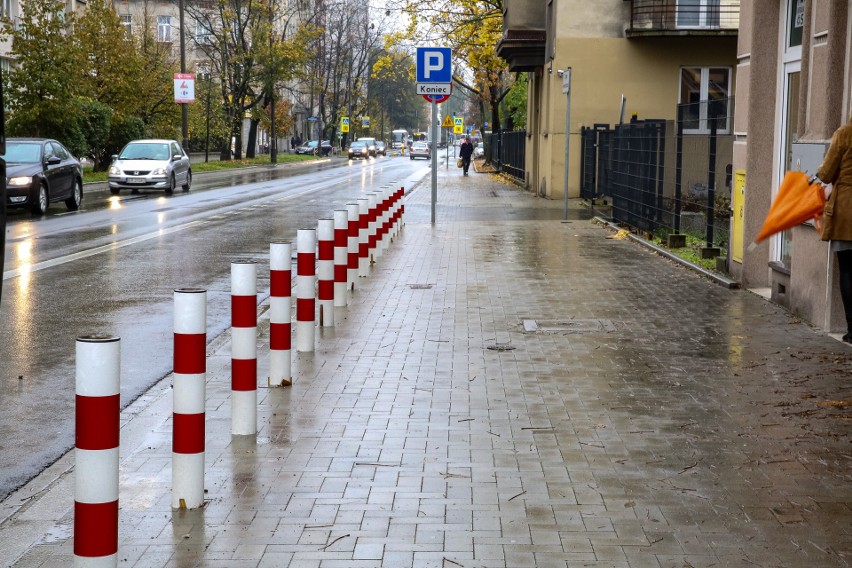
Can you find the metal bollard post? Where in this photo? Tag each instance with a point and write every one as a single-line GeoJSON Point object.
{"type": "Point", "coordinates": [341, 261]}
{"type": "Point", "coordinates": [352, 245]}
{"type": "Point", "coordinates": [280, 334]}
{"type": "Point", "coordinates": [243, 348]}
{"type": "Point", "coordinates": [306, 246]}
{"type": "Point", "coordinates": [363, 241]}
{"type": "Point", "coordinates": [325, 271]}
{"type": "Point", "coordinates": [189, 396]}
{"type": "Point", "coordinates": [96, 451]}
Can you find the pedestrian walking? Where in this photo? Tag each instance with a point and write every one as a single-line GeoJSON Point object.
{"type": "Point", "coordinates": [836, 169]}
{"type": "Point", "coordinates": [293, 143]}
{"type": "Point", "coordinates": [465, 153]}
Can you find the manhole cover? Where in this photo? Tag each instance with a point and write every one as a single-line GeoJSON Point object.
{"type": "Point", "coordinates": [568, 325]}
{"type": "Point", "coordinates": [420, 286]}
{"type": "Point", "coordinates": [501, 347]}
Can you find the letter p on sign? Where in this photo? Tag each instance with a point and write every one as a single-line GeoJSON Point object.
{"type": "Point", "coordinates": [434, 65]}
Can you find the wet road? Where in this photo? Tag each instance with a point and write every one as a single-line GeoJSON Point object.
{"type": "Point", "coordinates": [111, 268]}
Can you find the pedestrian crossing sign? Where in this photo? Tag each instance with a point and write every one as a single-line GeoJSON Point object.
{"type": "Point", "coordinates": [448, 122]}
{"type": "Point", "coordinates": [458, 125]}
{"type": "Point", "coordinates": [344, 124]}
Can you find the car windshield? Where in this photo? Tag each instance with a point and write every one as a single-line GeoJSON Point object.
{"type": "Point", "coordinates": [145, 151]}
{"type": "Point", "coordinates": [357, 145]}
{"type": "Point", "coordinates": [22, 152]}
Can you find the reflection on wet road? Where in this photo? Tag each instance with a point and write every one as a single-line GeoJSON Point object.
{"type": "Point", "coordinates": [112, 268]}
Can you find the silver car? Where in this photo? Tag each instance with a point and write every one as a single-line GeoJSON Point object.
{"type": "Point", "coordinates": [150, 164]}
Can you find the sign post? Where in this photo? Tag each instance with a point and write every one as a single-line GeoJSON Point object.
{"type": "Point", "coordinates": [566, 89]}
{"type": "Point", "coordinates": [434, 79]}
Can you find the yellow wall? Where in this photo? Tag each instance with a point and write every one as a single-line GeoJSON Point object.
{"type": "Point", "coordinates": [645, 70]}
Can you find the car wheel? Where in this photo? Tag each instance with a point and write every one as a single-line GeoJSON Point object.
{"type": "Point", "coordinates": [171, 188]}
{"type": "Point", "coordinates": [412, 158]}
{"type": "Point", "coordinates": [73, 202]}
{"type": "Point", "coordinates": [114, 190]}
{"type": "Point", "coordinates": [188, 180]}
{"type": "Point", "coordinates": [41, 202]}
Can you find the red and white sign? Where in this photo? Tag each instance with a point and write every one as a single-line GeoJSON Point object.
{"type": "Point", "coordinates": [184, 87]}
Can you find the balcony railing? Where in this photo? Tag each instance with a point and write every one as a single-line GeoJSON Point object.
{"type": "Point", "coordinates": [684, 17]}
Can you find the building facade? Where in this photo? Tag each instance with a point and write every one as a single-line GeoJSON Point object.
{"type": "Point", "coordinates": [626, 58]}
{"type": "Point", "coordinates": [794, 90]}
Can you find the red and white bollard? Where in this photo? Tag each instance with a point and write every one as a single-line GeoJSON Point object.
{"type": "Point", "coordinates": [372, 220]}
{"type": "Point", "coordinates": [397, 211]}
{"type": "Point", "coordinates": [280, 333]}
{"type": "Point", "coordinates": [363, 240]}
{"type": "Point", "coordinates": [325, 271]}
{"type": "Point", "coordinates": [352, 246]}
{"type": "Point", "coordinates": [189, 395]}
{"type": "Point", "coordinates": [243, 348]}
{"type": "Point", "coordinates": [96, 453]}
{"type": "Point", "coordinates": [341, 258]}
{"type": "Point", "coordinates": [385, 229]}
{"type": "Point", "coordinates": [306, 246]}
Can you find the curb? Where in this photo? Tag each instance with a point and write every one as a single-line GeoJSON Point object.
{"type": "Point", "coordinates": [717, 278]}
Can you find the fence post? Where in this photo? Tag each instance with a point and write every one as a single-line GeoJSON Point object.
{"type": "Point", "coordinates": [96, 454]}
{"type": "Point", "coordinates": [188, 398]}
{"type": "Point", "coordinates": [306, 246]}
{"type": "Point", "coordinates": [711, 185]}
{"type": "Point", "coordinates": [280, 318]}
{"type": "Point", "coordinates": [678, 167]}
{"type": "Point", "coordinates": [243, 348]}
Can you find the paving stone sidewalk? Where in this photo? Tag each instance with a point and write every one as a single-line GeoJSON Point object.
{"type": "Point", "coordinates": [505, 390]}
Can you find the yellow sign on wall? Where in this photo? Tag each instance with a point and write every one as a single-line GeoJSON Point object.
{"type": "Point", "coordinates": [739, 216]}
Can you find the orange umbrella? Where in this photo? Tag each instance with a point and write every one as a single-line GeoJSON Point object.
{"type": "Point", "coordinates": [797, 201]}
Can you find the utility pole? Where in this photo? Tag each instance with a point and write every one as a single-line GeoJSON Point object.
{"type": "Point", "coordinates": [184, 118]}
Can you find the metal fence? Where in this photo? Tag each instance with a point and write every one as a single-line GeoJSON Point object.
{"type": "Point", "coordinates": [506, 152]}
{"type": "Point", "coordinates": [664, 176]}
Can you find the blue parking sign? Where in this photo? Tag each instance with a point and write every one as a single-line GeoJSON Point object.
{"type": "Point", "coordinates": [434, 65]}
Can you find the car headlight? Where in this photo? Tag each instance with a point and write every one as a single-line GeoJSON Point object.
{"type": "Point", "coordinates": [21, 180]}
{"type": "Point", "coordinates": [114, 171]}
{"type": "Point", "coordinates": [159, 172]}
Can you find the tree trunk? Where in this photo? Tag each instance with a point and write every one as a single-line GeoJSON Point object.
{"type": "Point", "coordinates": [252, 139]}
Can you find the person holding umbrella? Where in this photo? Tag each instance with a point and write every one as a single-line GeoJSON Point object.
{"type": "Point", "coordinates": [835, 174]}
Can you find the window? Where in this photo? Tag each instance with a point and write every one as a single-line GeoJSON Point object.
{"type": "Point", "coordinates": [203, 32]}
{"type": "Point", "coordinates": [164, 28]}
{"type": "Point", "coordinates": [126, 20]}
{"type": "Point", "coordinates": [705, 92]}
{"type": "Point", "coordinates": [7, 9]}
{"type": "Point", "coordinates": [797, 23]}
{"type": "Point", "coordinates": [698, 14]}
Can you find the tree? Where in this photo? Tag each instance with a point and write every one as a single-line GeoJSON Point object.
{"type": "Point", "coordinates": [472, 28]}
{"type": "Point", "coordinates": [40, 89]}
{"type": "Point", "coordinates": [516, 101]}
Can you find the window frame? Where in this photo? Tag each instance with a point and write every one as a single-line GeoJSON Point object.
{"type": "Point", "coordinates": [704, 101]}
{"type": "Point", "coordinates": [164, 29]}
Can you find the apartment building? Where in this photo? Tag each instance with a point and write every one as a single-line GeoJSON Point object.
{"type": "Point", "coordinates": [639, 57]}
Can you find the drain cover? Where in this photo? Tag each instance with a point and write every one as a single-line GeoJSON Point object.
{"type": "Point", "coordinates": [420, 286]}
{"type": "Point", "coordinates": [501, 347]}
{"type": "Point", "coordinates": [568, 325]}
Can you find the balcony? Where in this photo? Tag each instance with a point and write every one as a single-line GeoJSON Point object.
{"type": "Point", "coordinates": [524, 37]}
{"type": "Point", "coordinates": [684, 18]}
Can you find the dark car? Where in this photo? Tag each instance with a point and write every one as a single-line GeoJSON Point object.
{"type": "Point", "coordinates": [359, 149]}
{"type": "Point", "coordinates": [40, 171]}
{"type": "Point", "coordinates": [150, 164]}
{"type": "Point", "coordinates": [315, 147]}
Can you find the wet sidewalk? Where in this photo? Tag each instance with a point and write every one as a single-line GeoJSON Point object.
{"type": "Point", "coordinates": [505, 390]}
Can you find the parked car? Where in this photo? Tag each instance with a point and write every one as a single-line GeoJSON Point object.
{"type": "Point", "coordinates": [150, 164]}
{"type": "Point", "coordinates": [371, 144]}
{"type": "Point", "coordinates": [419, 150]}
{"type": "Point", "coordinates": [40, 171]}
{"type": "Point", "coordinates": [479, 152]}
{"type": "Point", "coordinates": [359, 149]}
{"type": "Point", "coordinates": [381, 148]}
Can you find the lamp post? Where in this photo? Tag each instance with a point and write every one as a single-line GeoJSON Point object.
{"type": "Point", "coordinates": [207, 133]}
{"type": "Point", "coordinates": [184, 118]}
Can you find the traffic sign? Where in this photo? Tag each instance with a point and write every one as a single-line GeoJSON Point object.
{"type": "Point", "coordinates": [434, 65]}
{"type": "Point", "coordinates": [434, 89]}
{"type": "Point", "coordinates": [448, 122]}
{"type": "Point", "coordinates": [184, 87]}
{"type": "Point", "coordinates": [344, 124]}
{"type": "Point", "coordinates": [436, 98]}
{"type": "Point", "coordinates": [458, 125]}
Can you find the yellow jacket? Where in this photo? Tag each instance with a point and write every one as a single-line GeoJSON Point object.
{"type": "Point", "coordinates": [836, 168]}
